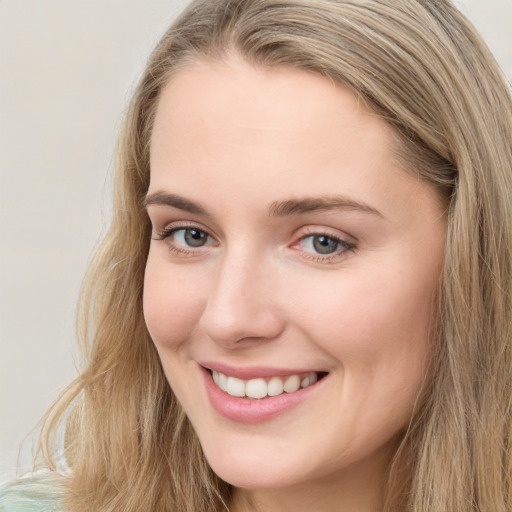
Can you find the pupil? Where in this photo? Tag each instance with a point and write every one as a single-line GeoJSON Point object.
{"type": "Point", "coordinates": [195, 238]}
{"type": "Point", "coordinates": [324, 244]}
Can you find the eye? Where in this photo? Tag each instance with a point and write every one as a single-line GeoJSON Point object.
{"type": "Point", "coordinates": [185, 240]}
{"type": "Point", "coordinates": [321, 244]}
{"type": "Point", "coordinates": [323, 247]}
{"type": "Point", "coordinates": [190, 237]}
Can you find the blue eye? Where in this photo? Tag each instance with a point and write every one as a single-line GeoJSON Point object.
{"type": "Point", "coordinates": [185, 240]}
{"type": "Point", "coordinates": [321, 244]}
{"type": "Point", "coordinates": [190, 237]}
{"type": "Point", "coordinates": [324, 245]}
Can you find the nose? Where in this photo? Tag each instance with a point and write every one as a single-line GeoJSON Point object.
{"type": "Point", "coordinates": [241, 306]}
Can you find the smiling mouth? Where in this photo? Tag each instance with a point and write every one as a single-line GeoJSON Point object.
{"type": "Point", "coordinates": [265, 387]}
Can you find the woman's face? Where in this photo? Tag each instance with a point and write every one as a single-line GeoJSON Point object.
{"type": "Point", "coordinates": [288, 247]}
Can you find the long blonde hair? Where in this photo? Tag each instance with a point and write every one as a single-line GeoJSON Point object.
{"type": "Point", "coordinates": [422, 66]}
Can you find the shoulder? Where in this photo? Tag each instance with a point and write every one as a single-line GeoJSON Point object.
{"type": "Point", "coordinates": [40, 492]}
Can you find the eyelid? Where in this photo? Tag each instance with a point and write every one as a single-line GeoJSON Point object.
{"type": "Point", "coordinates": [342, 236]}
{"type": "Point", "coordinates": [169, 228]}
{"type": "Point", "coordinates": [168, 232]}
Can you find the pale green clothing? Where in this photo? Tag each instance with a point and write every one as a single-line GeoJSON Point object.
{"type": "Point", "coordinates": [37, 493]}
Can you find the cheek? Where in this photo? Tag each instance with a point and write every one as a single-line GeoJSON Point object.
{"type": "Point", "coordinates": [378, 332]}
{"type": "Point", "coordinates": [172, 306]}
{"type": "Point", "coordinates": [376, 327]}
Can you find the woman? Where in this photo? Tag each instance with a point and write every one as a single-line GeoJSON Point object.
{"type": "Point", "coordinates": [303, 301]}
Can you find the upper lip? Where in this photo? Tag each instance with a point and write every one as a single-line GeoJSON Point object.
{"type": "Point", "coordinates": [253, 372]}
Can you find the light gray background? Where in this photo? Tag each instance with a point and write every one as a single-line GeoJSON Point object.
{"type": "Point", "coordinates": [66, 70]}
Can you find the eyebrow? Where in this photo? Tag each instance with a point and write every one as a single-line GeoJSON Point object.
{"type": "Point", "coordinates": [175, 201]}
{"type": "Point", "coordinates": [277, 208]}
{"type": "Point", "coordinates": [323, 203]}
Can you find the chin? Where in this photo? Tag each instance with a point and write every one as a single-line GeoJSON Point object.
{"type": "Point", "coordinates": [259, 468]}
{"type": "Point", "coordinates": [252, 476]}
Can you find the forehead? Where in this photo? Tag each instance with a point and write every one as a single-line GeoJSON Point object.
{"type": "Point", "coordinates": [230, 82]}
{"type": "Point", "coordinates": [263, 110]}
{"type": "Point", "coordinates": [232, 131]}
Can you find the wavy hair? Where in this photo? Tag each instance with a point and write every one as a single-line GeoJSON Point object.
{"type": "Point", "coordinates": [422, 66]}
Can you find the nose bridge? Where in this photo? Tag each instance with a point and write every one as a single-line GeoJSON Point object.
{"type": "Point", "coordinates": [241, 304]}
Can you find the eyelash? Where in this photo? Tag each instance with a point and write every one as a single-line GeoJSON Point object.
{"type": "Point", "coordinates": [167, 233]}
{"type": "Point", "coordinates": [343, 246]}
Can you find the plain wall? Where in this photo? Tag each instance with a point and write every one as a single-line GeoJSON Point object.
{"type": "Point", "coordinates": [66, 70]}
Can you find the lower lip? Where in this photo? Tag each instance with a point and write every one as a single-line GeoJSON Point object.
{"type": "Point", "coordinates": [251, 411]}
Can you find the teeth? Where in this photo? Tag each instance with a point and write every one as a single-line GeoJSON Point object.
{"type": "Point", "coordinates": [235, 387]}
{"type": "Point", "coordinates": [260, 388]}
{"type": "Point", "coordinates": [256, 388]}
{"type": "Point", "coordinates": [275, 386]}
{"type": "Point", "coordinates": [223, 382]}
{"type": "Point", "coordinates": [292, 383]}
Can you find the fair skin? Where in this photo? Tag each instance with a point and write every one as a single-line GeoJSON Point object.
{"type": "Point", "coordinates": [247, 277]}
